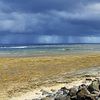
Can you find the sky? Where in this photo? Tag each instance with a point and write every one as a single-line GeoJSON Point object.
{"type": "Point", "coordinates": [49, 21]}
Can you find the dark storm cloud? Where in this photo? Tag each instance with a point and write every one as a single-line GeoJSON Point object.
{"type": "Point", "coordinates": [45, 5]}
{"type": "Point", "coordinates": [48, 19]}
{"type": "Point", "coordinates": [40, 5]}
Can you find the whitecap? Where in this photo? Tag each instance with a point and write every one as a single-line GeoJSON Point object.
{"type": "Point", "coordinates": [19, 47]}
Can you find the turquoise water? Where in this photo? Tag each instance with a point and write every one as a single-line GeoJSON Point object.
{"type": "Point", "coordinates": [48, 50]}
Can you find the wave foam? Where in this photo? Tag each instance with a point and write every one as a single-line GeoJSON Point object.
{"type": "Point", "coordinates": [16, 47]}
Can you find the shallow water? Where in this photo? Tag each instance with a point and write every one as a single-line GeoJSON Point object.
{"type": "Point", "coordinates": [7, 51]}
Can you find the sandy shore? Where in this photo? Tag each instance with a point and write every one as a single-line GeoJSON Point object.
{"type": "Point", "coordinates": [19, 76]}
{"type": "Point", "coordinates": [36, 94]}
{"type": "Point", "coordinates": [82, 76]}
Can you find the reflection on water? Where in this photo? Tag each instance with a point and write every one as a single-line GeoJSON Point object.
{"type": "Point", "coordinates": [48, 50]}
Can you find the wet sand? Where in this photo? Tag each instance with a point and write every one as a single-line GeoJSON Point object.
{"type": "Point", "coordinates": [22, 75]}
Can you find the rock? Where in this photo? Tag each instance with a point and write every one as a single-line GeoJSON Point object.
{"type": "Point", "coordinates": [96, 79]}
{"type": "Point", "coordinates": [94, 86]}
{"type": "Point", "coordinates": [87, 98]}
{"type": "Point", "coordinates": [91, 97]}
{"type": "Point", "coordinates": [98, 98]}
{"type": "Point", "coordinates": [65, 92]}
{"type": "Point", "coordinates": [37, 93]}
{"type": "Point", "coordinates": [81, 86]}
{"type": "Point", "coordinates": [88, 79]}
{"type": "Point", "coordinates": [67, 49]}
{"type": "Point", "coordinates": [48, 98]}
{"type": "Point", "coordinates": [63, 88]}
{"type": "Point", "coordinates": [53, 90]}
{"type": "Point", "coordinates": [96, 92]}
{"type": "Point", "coordinates": [72, 93]}
{"type": "Point", "coordinates": [45, 92]}
{"type": "Point", "coordinates": [82, 93]}
{"type": "Point", "coordinates": [41, 90]}
{"type": "Point", "coordinates": [51, 95]}
{"type": "Point", "coordinates": [63, 97]}
{"type": "Point", "coordinates": [59, 92]}
{"type": "Point", "coordinates": [87, 75]}
{"type": "Point", "coordinates": [99, 83]}
{"type": "Point", "coordinates": [94, 96]}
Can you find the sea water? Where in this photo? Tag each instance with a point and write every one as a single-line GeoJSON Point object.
{"type": "Point", "coordinates": [47, 50]}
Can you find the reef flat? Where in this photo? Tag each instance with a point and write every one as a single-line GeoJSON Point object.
{"type": "Point", "coordinates": [20, 75]}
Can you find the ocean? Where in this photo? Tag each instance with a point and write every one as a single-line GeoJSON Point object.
{"type": "Point", "coordinates": [46, 50]}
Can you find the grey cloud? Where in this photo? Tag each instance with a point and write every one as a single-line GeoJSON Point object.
{"type": "Point", "coordinates": [35, 6]}
{"type": "Point", "coordinates": [55, 22]}
{"type": "Point", "coordinates": [18, 39]}
{"type": "Point", "coordinates": [40, 5]}
{"type": "Point", "coordinates": [42, 18]}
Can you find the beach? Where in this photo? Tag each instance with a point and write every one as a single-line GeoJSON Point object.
{"type": "Point", "coordinates": [49, 49]}
{"type": "Point", "coordinates": [22, 75]}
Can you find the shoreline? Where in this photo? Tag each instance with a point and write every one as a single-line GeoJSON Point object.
{"type": "Point", "coordinates": [37, 94]}
{"type": "Point", "coordinates": [49, 56]}
{"type": "Point", "coordinates": [78, 78]}
{"type": "Point", "coordinates": [26, 74]}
